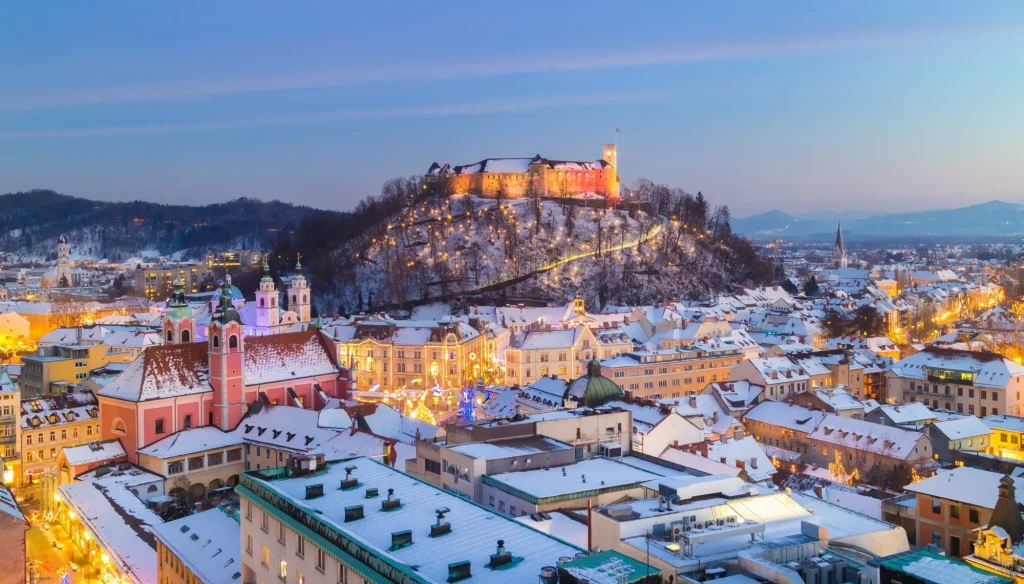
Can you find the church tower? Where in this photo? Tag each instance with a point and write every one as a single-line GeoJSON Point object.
{"type": "Point", "coordinates": [298, 294]}
{"type": "Point", "coordinates": [179, 325]}
{"type": "Point", "coordinates": [839, 252]}
{"type": "Point", "coordinates": [267, 310]}
{"type": "Point", "coordinates": [63, 263]}
{"type": "Point", "coordinates": [579, 306]}
{"type": "Point", "coordinates": [226, 351]}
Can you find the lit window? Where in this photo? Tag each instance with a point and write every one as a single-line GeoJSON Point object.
{"type": "Point", "coordinates": [284, 570]}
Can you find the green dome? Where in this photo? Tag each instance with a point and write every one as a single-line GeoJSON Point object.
{"type": "Point", "coordinates": [593, 389]}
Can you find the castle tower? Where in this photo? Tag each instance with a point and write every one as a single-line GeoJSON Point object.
{"type": "Point", "coordinates": [611, 156]}
{"type": "Point", "coordinates": [267, 310]}
{"type": "Point", "coordinates": [178, 325]}
{"type": "Point", "coordinates": [839, 256]}
{"type": "Point", "coordinates": [226, 350]}
{"type": "Point", "coordinates": [298, 294]}
{"type": "Point", "coordinates": [578, 304]}
{"type": "Point", "coordinates": [63, 262]}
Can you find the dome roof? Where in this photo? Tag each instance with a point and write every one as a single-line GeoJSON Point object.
{"type": "Point", "coordinates": [593, 389]}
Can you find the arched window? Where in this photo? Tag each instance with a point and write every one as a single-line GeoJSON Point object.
{"type": "Point", "coordinates": [151, 489]}
{"type": "Point", "coordinates": [294, 300]}
{"type": "Point", "coordinates": [119, 427]}
{"type": "Point", "coordinates": [170, 335]}
{"type": "Point", "coordinates": [262, 302]}
{"type": "Point", "coordinates": [233, 342]}
{"type": "Point", "coordinates": [216, 341]}
{"type": "Point", "coordinates": [186, 337]}
{"type": "Point", "coordinates": [273, 302]}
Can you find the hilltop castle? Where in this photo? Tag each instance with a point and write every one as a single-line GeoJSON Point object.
{"type": "Point", "coordinates": [537, 176]}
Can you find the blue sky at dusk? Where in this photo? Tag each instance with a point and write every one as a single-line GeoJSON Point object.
{"type": "Point", "coordinates": [799, 106]}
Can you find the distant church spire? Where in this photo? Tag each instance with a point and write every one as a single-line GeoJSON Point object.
{"type": "Point", "coordinates": [839, 252]}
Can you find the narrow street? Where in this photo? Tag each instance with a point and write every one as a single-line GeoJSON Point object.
{"type": "Point", "coordinates": [51, 556]}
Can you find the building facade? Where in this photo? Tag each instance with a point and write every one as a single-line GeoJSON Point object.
{"type": "Point", "coordinates": [524, 177]}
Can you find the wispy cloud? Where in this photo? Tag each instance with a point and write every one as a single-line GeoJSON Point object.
{"type": "Point", "coordinates": [519, 64]}
{"type": "Point", "coordinates": [343, 115]}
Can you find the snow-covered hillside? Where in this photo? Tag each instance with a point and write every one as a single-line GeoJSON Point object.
{"type": "Point", "coordinates": [546, 250]}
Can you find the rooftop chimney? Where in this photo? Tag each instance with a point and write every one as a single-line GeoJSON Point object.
{"type": "Point", "coordinates": [500, 557]}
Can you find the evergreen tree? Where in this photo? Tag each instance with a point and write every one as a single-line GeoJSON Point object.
{"type": "Point", "coordinates": [811, 287]}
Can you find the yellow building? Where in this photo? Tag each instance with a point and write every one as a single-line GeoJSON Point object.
{"type": "Point", "coordinates": [52, 368]}
{"type": "Point", "coordinates": [680, 371]}
{"type": "Point", "coordinates": [50, 423]}
{"type": "Point", "coordinates": [392, 355]}
{"type": "Point", "coordinates": [542, 350]}
{"type": "Point", "coordinates": [1007, 436]}
{"type": "Point", "coordinates": [196, 462]}
{"type": "Point", "coordinates": [154, 281]}
{"type": "Point", "coordinates": [200, 548]}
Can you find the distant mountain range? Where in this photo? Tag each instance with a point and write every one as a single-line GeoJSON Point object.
{"type": "Point", "coordinates": [991, 219]}
{"type": "Point", "coordinates": [31, 222]}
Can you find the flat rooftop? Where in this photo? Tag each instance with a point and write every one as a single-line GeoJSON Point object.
{"type": "Point", "coordinates": [509, 448]}
{"type": "Point", "coordinates": [580, 478]}
{"type": "Point", "coordinates": [474, 529]}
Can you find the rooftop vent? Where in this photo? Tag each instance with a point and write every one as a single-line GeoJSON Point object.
{"type": "Point", "coordinates": [549, 575]}
{"type": "Point", "coordinates": [401, 539]}
{"type": "Point", "coordinates": [442, 527]}
{"type": "Point", "coordinates": [500, 557]}
{"type": "Point", "coordinates": [391, 503]}
{"type": "Point", "coordinates": [353, 513]}
{"type": "Point", "coordinates": [314, 491]}
{"type": "Point", "coordinates": [459, 571]}
{"type": "Point", "coordinates": [372, 493]}
{"type": "Point", "coordinates": [349, 482]}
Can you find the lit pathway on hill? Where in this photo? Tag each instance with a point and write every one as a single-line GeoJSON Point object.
{"type": "Point", "coordinates": [653, 232]}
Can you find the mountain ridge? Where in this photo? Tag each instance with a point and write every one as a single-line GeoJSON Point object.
{"type": "Point", "coordinates": [990, 218]}
{"type": "Point", "coordinates": [31, 221]}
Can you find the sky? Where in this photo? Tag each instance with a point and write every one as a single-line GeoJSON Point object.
{"type": "Point", "coordinates": [805, 107]}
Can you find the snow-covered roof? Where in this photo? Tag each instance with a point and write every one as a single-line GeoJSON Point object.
{"type": "Point", "coordinates": [93, 452]}
{"type": "Point", "coordinates": [584, 476]}
{"type": "Point", "coordinates": [9, 506]}
{"type": "Point", "coordinates": [191, 441]}
{"type": "Point", "coordinates": [118, 519]}
{"type": "Point", "coordinates": [907, 414]}
{"type": "Point", "coordinates": [206, 543]}
{"type": "Point", "coordinates": [838, 398]}
{"type": "Point", "coordinates": [867, 436]}
{"type": "Point", "coordinates": [965, 427]}
{"type": "Point", "coordinates": [790, 416]}
{"type": "Point", "coordinates": [509, 448]}
{"type": "Point", "coordinates": [1009, 423]}
{"type": "Point", "coordinates": [746, 450]}
{"type": "Point", "coordinates": [58, 409]}
{"type": "Point", "coordinates": [972, 486]}
{"type": "Point", "coordinates": [177, 370]}
{"type": "Point", "coordinates": [989, 370]}
{"type": "Point", "coordinates": [475, 529]}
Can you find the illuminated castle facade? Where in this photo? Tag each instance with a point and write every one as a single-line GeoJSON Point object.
{"type": "Point", "coordinates": [537, 176]}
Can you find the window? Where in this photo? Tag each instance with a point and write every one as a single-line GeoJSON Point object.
{"type": "Point", "coordinates": [937, 538]}
{"type": "Point", "coordinates": [248, 510]}
{"type": "Point", "coordinates": [300, 546]}
{"type": "Point", "coordinates": [282, 532]}
{"type": "Point", "coordinates": [214, 458]}
{"type": "Point", "coordinates": [264, 524]}
{"type": "Point", "coordinates": [490, 500]}
{"type": "Point", "coordinates": [175, 467]}
{"type": "Point", "coordinates": [233, 342]}
{"type": "Point", "coordinates": [954, 512]}
{"type": "Point", "coordinates": [972, 515]}
{"type": "Point", "coordinates": [235, 455]}
{"type": "Point", "coordinates": [283, 574]}
{"type": "Point", "coordinates": [342, 575]}
{"type": "Point", "coordinates": [512, 510]}
{"type": "Point", "coordinates": [501, 506]}
{"type": "Point", "coordinates": [159, 425]}
{"type": "Point", "coordinates": [53, 436]}
{"type": "Point", "coordinates": [188, 420]}
{"type": "Point", "coordinates": [936, 507]}
{"type": "Point", "coordinates": [266, 556]}
{"type": "Point", "coordinates": [28, 439]}
{"type": "Point", "coordinates": [63, 434]}
{"type": "Point", "coordinates": [195, 463]}
{"type": "Point", "coordinates": [321, 560]}
{"type": "Point", "coordinates": [300, 578]}
{"type": "Point", "coordinates": [248, 544]}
